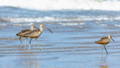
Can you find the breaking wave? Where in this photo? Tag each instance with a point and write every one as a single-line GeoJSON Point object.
{"type": "Point", "coordinates": [63, 4]}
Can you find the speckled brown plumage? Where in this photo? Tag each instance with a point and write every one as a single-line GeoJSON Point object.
{"type": "Point", "coordinates": [104, 41]}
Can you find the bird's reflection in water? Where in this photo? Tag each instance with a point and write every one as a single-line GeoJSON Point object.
{"type": "Point", "coordinates": [104, 62]}
{"type": "Point", "coordinates": [29, 61]}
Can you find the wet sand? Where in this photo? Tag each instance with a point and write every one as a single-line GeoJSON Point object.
{"type": "Point", "coordinates": [70, 46]}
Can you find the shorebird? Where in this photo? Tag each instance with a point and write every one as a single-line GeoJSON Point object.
{"type": "Point", "coordinates": [37, 32]}
{"type": "Point", "coordinates": [33, 33]}
{"type": "Point", "coordinates": [104, 41]}
{"type": "Point", "coordinates": [26, 31]}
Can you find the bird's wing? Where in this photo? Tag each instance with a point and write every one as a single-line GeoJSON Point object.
{"type": "Point", "coordinates": [103, 38]}
{"type": "Point", "coordinates": [34, 33]}
{"type": "Point", "coordinates": [23, 32]}
{"type": "Point", "coordinates": [102, 42]}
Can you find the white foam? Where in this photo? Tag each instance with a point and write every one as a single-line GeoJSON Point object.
{"type": "Point", "coordinates": [54, 19]}
{"type": "Point", "coordinates": [71, 24]}
{"type": "Point", "coordinates": [63, 4]}
{"type": "Point", "coordinates": [39, 19]}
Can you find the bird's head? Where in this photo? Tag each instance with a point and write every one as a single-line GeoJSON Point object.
{"type": "Point", "coordinates": [32, 26]}
{"type": "Point", "coordinates": [110, 38]}
{"type": "Point", "coordinates": [42, 27]}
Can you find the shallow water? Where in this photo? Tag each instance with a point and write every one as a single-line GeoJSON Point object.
{"type": "Point", "coordinates": [70, 45]}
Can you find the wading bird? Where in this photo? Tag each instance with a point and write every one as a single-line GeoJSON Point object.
{"type": "Point", "coordinates": [26, 31]}
{"type": "Point", "coordinates": [33, 33]}
{"type": "Point", "coordinates": [104, 41]}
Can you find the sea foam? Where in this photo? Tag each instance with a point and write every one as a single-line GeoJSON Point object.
{"type": "Point", "coordinates": [63, 4]}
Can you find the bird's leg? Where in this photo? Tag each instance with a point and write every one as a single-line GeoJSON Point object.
{"type": "Point", "coordinates": [20, 39]}
{"type": "Point", "coordinates": [25, 42]}
{"type": "Point", "coordinates": [30, 43]}
{"type": "Point", "coordinates": [105, 49]}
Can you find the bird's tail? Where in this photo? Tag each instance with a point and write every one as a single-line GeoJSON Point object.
{"type": "Point", "coordinates": [17, 34]}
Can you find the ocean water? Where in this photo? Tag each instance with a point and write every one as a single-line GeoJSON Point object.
{"type": "Point", "coordinates": [70, 45]}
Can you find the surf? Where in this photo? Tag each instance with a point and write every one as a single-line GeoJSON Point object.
{"type": "Point", "coordinates": [64, 4]}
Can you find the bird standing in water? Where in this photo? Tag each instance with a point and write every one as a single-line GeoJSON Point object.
{"type": "Point", "coordinates": [104, 41]}
{"type": "Point", "coordinates": [25, 31]}
{"type": "Point", "coordinates": [33, 33]}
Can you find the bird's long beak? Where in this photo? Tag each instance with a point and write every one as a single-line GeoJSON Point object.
{"type": "Point", "coordinates": [112, 40]}
{"type": "Point", "coordinates": [49, 30]}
